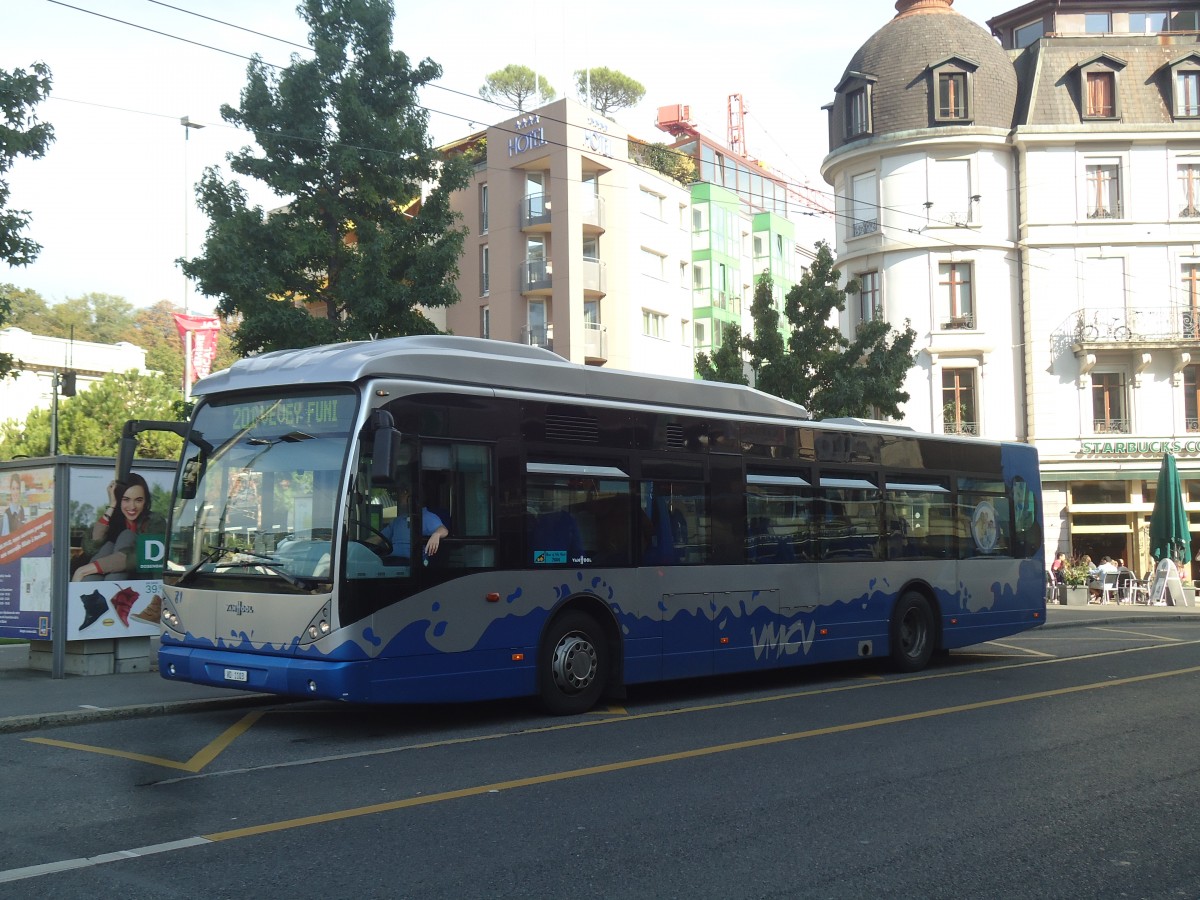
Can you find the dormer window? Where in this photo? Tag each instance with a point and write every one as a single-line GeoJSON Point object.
{"type": "Point", "coordinates": [951, 88]}
{"type": "Point", "coordinates": [1098, 87]}
{"type": "Point", "coordinates": [1185, 87]}
{"type": "Point", "coordinates": [856, 89]}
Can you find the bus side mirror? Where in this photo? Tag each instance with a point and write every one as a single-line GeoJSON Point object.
{"type": "Point", "coordinates": [387, 448]}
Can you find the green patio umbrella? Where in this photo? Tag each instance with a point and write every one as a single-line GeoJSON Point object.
{"type": "Point", "coordinates": [1170, 536]}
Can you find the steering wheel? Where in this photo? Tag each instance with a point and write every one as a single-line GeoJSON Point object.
{"type": "Point", "coordinates": [381, 551]}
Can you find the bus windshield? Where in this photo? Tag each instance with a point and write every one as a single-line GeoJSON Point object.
{"type": "Point", "coordinates": [257, 492]}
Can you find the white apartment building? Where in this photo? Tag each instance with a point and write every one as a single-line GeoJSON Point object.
{"type": "Point", "coordinates": [1025, 196]}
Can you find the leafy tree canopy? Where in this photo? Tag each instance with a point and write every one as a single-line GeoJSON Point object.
{"type": "Point", "coordinates": [21, 134]}
{"type": "Point", "coordinates": [516, 84]}
{"type": "Point", "coordinates": [89, 424]}
{"type": "Point", "coordinates": [814, 364]}
{"type": "Point", "coordinates": [609, 89]}
{"type": "Point", "coordinates": [342, 137]}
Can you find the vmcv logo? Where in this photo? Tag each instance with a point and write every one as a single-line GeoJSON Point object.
{"type": "Point", "coordinates": [239, 608]}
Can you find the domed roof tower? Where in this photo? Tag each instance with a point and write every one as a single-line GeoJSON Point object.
{"type": "Point", "coordinates": [912, 73]}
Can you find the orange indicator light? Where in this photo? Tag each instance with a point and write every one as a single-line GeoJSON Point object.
{"type": "Point", "coordinates": [492, 597]}
{"type": "Point", "coordinates": [724, 640]}
{"type": "Point", "coordinates": [823, 632]}
{"type": "Point", "coordinates": [518, 657]}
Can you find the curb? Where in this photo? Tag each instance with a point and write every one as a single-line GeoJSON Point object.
{"type": "Point", "coordinates": [141, 711]}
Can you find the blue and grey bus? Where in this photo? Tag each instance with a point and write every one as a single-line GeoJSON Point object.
{"type": "Point", "coordinates": [601, 529]}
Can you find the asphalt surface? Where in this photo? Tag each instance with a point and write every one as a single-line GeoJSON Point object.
{"type": "Point", "coordinates": [33, 699]}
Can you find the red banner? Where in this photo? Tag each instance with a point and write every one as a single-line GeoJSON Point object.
{"type": "Point", "coordinates": [204, 331]}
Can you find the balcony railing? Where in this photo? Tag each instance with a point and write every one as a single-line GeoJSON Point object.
{"type": "Point", "coordinates": [538, 336]}
{"type": "Point", "coordinates": [593, 211]}
{"type": "Point", "coordinates": [595, 279]}
{"type": "Point", "coordinates": [1162, 324]}
{"type": "Point", "coordinates": [536, 275]}
{"type": "Point", "coordinates": [595, 341]}
{"type": "Point", "coordinates": [968, 428]}
{"type": "Point", "coordinates": [967, 321]}
{"type": "Point", "coordinates": [865, 226]}
{"type": "Point", "coordinates": [535, 210]}
{"type": "Point", "coordinates": [1112, 426]}
{"type": "Point", "coordinates": [1108, 211]}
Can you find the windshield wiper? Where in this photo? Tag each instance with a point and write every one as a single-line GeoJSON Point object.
{"type": "Point", "coordinates": [267, 562]}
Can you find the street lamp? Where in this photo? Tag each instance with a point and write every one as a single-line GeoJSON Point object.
{"type": "Point", "coordinates": [188, 125]}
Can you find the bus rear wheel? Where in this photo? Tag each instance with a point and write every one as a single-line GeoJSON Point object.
{"type": "Point", "coordinates": [574, 664]}
{"type": "Point", "coordinates": [912, 633]}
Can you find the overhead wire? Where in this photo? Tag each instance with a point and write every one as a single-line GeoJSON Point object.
{"type": "Point", "coordinates": [843, 218]}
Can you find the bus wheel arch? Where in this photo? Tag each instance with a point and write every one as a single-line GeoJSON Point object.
{"type": "Point", "coordinates": [913, 631]}
{"type": "Point", "coordinates": [578, 657]}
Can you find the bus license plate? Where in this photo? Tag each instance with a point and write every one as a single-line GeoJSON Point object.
{"type": "Point", "coordinates": [235, 674]}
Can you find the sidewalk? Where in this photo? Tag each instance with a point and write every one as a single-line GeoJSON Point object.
{"type": "Point", "coordinates": [30, 699]}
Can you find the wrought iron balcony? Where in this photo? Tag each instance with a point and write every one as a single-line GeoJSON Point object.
{"type": "Point", "coordinates": [1112, 426]}
{"type": "Point", "coordinates": [967, 321]}
{"type": "Point", "coordinates": [968, 428]}
{"type": "Point", "coordinates": [1109, 326]}
{"type": "Point", "coordinates": [865, 226]}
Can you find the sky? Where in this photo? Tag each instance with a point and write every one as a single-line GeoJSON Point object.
{"type": "Point", "coordinates": [113, 202]}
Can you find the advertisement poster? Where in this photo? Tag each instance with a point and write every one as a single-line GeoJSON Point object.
{"type": "Point", "coordinates": [26, 548]}
{"type": "Point", "coordinates": [118, 543]}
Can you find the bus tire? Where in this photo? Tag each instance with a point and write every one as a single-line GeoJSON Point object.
{"type": "Point", "coordinates": [913, 635]}
{"type": "Point", "coordinates": [573, 664]}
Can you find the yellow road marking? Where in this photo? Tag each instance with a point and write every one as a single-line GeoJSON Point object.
{"type": "Point", "coordinates": [1024, 650]}
{"type": "Point", "coordinates": [1153, 637]}
{"type": "Point", "coordinates": [661, 759]}
{"type": "Point", "coordinates": [198, 761]}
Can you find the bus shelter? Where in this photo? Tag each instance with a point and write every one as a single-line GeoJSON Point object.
{"type": "Point", "coordinates": [79, 621]}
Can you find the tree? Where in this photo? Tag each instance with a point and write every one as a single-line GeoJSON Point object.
{"type": "Point", "coordinates": [89, 424]}
{"type": "Point", "coordinates": [516, 84]}
{"type": "Point", "coordinates": [726, 362]}
{"type": "Point", "coordinates": [811, 362]}
{"type": "Point", "coordinates": [359, 245]}
{"type": "Point", "coordinates": [21, 134]}
{"type": "Point", "coordinates": [608, 89]}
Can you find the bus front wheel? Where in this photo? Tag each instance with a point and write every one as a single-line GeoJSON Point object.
{"type": "Point", "coordinates": [574, 665]}
{"type": "Point", "coordinates": [912, 633]}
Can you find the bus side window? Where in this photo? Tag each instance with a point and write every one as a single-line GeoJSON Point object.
{"type": "Point", "coordinates": [577, 515]}
{"type": "Point", "coordinates": [457, 486]}
{"type": "Point", "coordinates": [680, 532]}
{"type": "Point", "coordinates": [778, 518]}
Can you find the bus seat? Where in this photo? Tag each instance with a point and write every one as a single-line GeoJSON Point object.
{"type": "Point", "coordinates": [558, 531]}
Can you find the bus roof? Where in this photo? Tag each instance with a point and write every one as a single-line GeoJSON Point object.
{"type": "Point", "coordinates": [449, 359]}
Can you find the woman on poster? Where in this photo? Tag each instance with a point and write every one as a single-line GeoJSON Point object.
{"type": "Point", "coordinates": [118, 532]}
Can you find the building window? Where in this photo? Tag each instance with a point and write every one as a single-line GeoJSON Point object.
{"type": "Point", "coordinates": [1191, 398]}
{"type": "Point", "coordinates": [1101, 95]}
{"type": "Point", "coordinates": [1103, 190]}
{"type": "Point", "coordinates": [652, 205]}
{"type": "Point", "coordinates": [957, 304]}
{"type": "Point", "coordinates": [950, 193]}
{"type": "Point", "coordinates": [869, 303]}
{"type": "Point", "coordinates": [1097, 23]}
{"type": "Point", "coordinates": [484, 271]}
{"type": "Point", "coordinates": [959, 409]}
{"type": "Point", "coordinates": [652, 264]}
{"type": "Point", "coordinates": [1186, 83]}
{"type": "Point", "coordinates": [1027, 34]}
{"type": "Point", "coordinates": [858, 113]}
{"type": "Point", "coordinates": [485, 321]}
{"type": "Point", "coordinates": [1109, 414]}
{"type": "Point", "coordinates": [653, 324]}
{"type": "Point", "coordinates": [1188, 20]}
{"type": "Point", "coordinates": [1191, 291]}
{"type": "Point", "coordinates": [1147, 22]}
{"type": "Point", "coordinates": [483, 208]}
{"type": "Point", "coordinates": [1189, 190]}
{"type": "Point", "coordinates": [864, 210]}
{"type": "Point", "coordinates": [952, 97]}
{"type": "Point", "coordinates": [538, 330]}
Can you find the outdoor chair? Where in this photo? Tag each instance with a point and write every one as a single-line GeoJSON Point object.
{"type": "Point", "coordinates": [1125, 581]}
{"type": "Point", "coordinates": [1107, 587]}
{"type": "Point", "coordinates": [1052, 592]}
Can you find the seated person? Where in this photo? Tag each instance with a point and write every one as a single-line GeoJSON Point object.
{"type": "Point", "coordinates": [1095, 585]}
{"type": "Point", "coordinates": [398, 534]}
